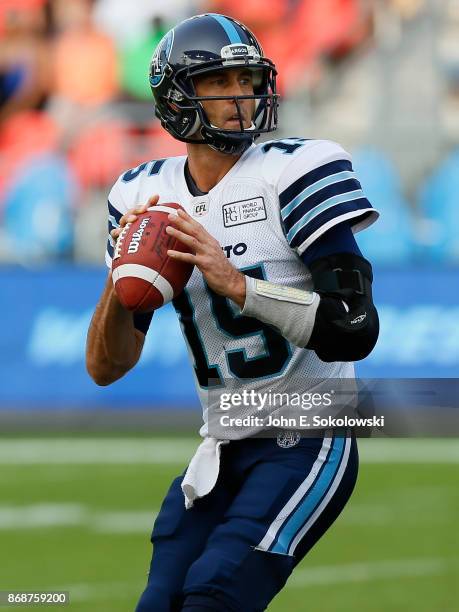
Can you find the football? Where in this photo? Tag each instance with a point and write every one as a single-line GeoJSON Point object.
{"type": "Point", "coordinates": [144, 276]}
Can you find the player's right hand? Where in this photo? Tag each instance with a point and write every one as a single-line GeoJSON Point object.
{"type": "Point", "coordinates": [131, 215]}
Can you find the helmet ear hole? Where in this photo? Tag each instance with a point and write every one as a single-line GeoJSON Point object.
{"type": "Point", "coordinates": [257, 78]}
{"type": "Point", "coordinates": [173, 107]}
{"type": "Point", "coordinates": [187, 123]}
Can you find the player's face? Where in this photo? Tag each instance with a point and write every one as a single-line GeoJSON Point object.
{"type": "Point", "coordinates": [233, 82]}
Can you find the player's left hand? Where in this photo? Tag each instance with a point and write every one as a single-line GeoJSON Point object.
{"type": "Point", "coordinates": [221, 276]}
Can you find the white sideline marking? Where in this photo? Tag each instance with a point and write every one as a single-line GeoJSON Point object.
{"type": "Point", "coordinates": [97, 450]}
{"type": "Point", "coordinates": [403, 450]}
{"type": "Point", "coordinates": [41, 515]}
{"type": "Point", "coordinates": [314, 576]}
{"type": "Point", "coordinates": [102, 590]}
{"type": "Point", "coordinates": [172, 451]}
{"type": "Point", "coordinates": [38, 516]}
{"type": "Point", "coordinates": [366, 572]}
{"type": "Point", "coordinates": [123, 522]}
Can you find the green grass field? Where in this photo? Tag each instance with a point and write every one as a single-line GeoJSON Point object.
{"type": "Point", "coordinates": [76, 515]}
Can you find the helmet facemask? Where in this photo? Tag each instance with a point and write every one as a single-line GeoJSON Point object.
{"type": "Point", "coordinates": [187, 120]}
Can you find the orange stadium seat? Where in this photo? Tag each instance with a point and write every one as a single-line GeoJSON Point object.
{"type": "Point", "coordinates": [100, 153]}
{"type": "Point", "coordinates": [319, 26]}
{"type": "Point", "coordinates": [85, 68]}
{"type": "Point", "coordinates": [22, 136]}
{"type": "Point", "coordinates": [295, 36]}
{"type": "Point", "coordinates": [248, 12]}
{"type": "Point", "coordinates": [7, 7]}
{"type": "Point", "coordinates": [324, 24]}
{"type": "Point", "coordinates": [158, 143]}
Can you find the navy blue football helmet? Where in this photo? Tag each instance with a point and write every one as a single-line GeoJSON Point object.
{"type": "Point", "coordinates": [200, 45]}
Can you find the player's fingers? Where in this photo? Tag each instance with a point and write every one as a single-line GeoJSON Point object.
{"type": "Point", "coordinates": [139, 210]}
{"type": "Point", "coordinates": [144, 207]}
{"type": "Point", "coordinates": [187, 225]}
{"type": "Point", "coordinates": [128, 218]}
{"type": "Point", "coordinates": [186, 257]}
{"type": "Point", "coordinates": [115, 233]}
{"type": "Point", "coordinates": [189, 241]}
{"type": "Point", "coordinates": [184, 215]}
{"type": "Point", "coordinates": [131, 215]}
{"type": "Point", "coordinates": [152, 201]}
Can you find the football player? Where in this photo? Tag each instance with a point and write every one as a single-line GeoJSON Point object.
{"type": "Point", "coordinates": [280, 295]}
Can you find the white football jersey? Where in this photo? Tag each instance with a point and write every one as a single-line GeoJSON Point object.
{"type": "Point", "coordinates": [277, 199]}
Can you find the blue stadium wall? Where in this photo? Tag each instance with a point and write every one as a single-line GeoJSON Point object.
{"type": "Point", "coordinates": [46, 313]}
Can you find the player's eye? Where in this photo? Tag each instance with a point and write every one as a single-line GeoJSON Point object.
{"type": "Point", "coordinates": [218, 81]}
{"type": "Point", "coordinates": [246, 80]}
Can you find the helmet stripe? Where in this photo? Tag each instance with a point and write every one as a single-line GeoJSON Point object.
{"type": "Point", "coordinates": [229, 28]}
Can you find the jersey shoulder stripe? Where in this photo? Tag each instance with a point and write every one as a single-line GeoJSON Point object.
{"type": "Point", "coordinates": [324, 190]}
{"type": "Point", "coordinates": [359, 213]}
{"type": "Point", "coordinates": [307, 217]}
{"type": "Point", "coordinates": [114, 216]}
{"type": "Point", "coordinates": [313, 182]}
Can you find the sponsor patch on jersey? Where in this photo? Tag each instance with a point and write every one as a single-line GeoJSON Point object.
{"type": "Point", "coordinates": [245, 211]}
{"type": "Point", "coordinates": [238, 249]}
{"type": "Point", "coordinates": [200, 208]}
{"type": "Point", "coordinates": [287, 439]}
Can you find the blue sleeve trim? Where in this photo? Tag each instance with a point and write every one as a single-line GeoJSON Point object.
{"type": "Point", "coordinates": [325, 193]}
{"type": "Point", "coordinates": [307, 209]}
{"type": "Point", "coordinates": [110, 247]}
{"type": "Point", "coordinates": [338, 239]}
{"type": "Point", "coordinates": [327, 215]}
{"type": "Point", "coordinates": [334, 204]}
{"type": "Point", "coordinates": [114, 217]}
{"type": "Point", "coordinates": [142, 321]}
{"type": "Point", "coordinates": [312, 178]}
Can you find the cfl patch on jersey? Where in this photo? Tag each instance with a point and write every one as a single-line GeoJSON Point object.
{"type": "Point", "coordinates": [200, 208]}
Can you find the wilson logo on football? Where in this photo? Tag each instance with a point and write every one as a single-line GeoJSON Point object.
{"type": "Point", "coordinates": [137, 237]}
{"type": "Point", "coordinates": [144, 276]}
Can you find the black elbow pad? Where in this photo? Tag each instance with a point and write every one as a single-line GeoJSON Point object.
{"type": "Point", "coordinates": [347, 325]}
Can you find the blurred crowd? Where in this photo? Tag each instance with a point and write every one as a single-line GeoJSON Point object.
{"type": "Point", "coordinates": [76, 107]}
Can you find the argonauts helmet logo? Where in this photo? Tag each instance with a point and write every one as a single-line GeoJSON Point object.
{"type": "Point", "coordinates": [160, 58]}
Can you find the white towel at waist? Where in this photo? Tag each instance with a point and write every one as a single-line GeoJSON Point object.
{"type": "Point", "coordinates": [202, 473]}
